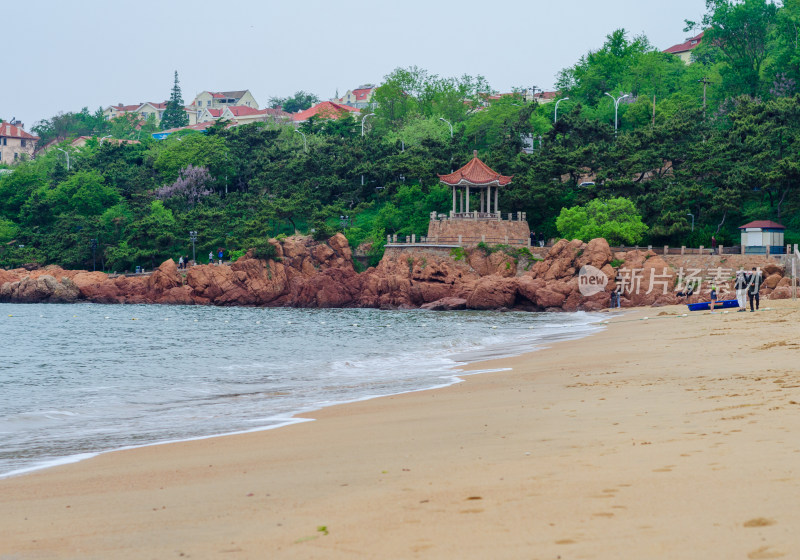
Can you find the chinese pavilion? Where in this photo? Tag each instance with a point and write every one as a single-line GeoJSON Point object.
{"type": "Point", "coordinates": [480, 177]}
{"type": "Point", "coordinates": [467, 225]}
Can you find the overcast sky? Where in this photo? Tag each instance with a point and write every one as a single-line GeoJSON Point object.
{"type": "Point", "coordinates": [64, 55]}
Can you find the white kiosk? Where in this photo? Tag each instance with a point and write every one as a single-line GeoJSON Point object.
{"type": "Point", "coordinates": [762, 235]}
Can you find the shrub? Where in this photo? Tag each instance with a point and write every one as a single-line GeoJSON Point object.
{"type": "Point", "coordinates": [263, 249]}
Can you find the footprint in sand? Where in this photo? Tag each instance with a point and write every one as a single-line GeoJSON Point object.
{"type": "Point", "coordinates": [759, 522]}
{"type": "Point", "coordinates": [764, 552]}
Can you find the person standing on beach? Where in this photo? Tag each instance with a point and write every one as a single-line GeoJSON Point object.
{"type": "Point", "coordinates": [221, 255]}
{"type": "Point", "coordinates": [180, 263]}
{"type": "Point", "coordinates": [754, 287]}
{"type": "Point", "coordinates": [713, 301]}
{"type": "Point", "coordinates": [211, 257]}
{"type": "Point", "coordinates": [741, 289]}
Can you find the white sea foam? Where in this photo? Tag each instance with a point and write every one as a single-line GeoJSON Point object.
{"type": "Point", "coordinates": [104, 385]}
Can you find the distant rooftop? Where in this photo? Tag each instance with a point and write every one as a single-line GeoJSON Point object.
{"type": "Point", "coordinates": [686, 46]}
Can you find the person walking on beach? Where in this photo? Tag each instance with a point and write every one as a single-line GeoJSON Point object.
{"type": "Point", "coordinates": [211, 257]}
{"type": "Point", "coordinates": [615, 300]}
{"type": "Point", "coordinates": [180, 263]}
{"type": "Point", "coordinates": [741, 289]}
{"type": "Point", "coordinates": [754, 287]}
{"type": "Point", "coordinates": [713, 302]}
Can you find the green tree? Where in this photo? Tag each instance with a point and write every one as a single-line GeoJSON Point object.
{"type": "Point", "coordinates": [174, 114]}
{"type": "Point", "coordinates": [784, 64]}
{"type": "Point", "coordinates": [300, 101]}
{"type": "Point", "coordinates": [615, 219]}
{"type": "Point", "coordinates": [737, 34]}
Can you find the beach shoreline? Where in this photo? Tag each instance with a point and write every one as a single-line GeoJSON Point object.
{"type": "Point", "coordinates": [659, 438]}
{"type": "Point", "coordinates": [573, 326]}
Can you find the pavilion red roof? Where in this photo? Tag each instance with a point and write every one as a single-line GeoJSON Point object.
{"type": "Point", "coordinates": [763, 224]}
{"type": "Point", "coordinates": [475, 173]}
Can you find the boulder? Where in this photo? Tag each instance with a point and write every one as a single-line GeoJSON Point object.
{"type": "Point", "coordinates": [772, 280]}
{"type": "Point", "coordinates": [164, 278]}
{"type": "Point", "coordinates": [782, 292]}
{"type": "Point", "coordinates": [596, 253]}
{"type": "Point", "coordinates": [446, 304]}
{"type": "Point", "coordinates": [493, 293]}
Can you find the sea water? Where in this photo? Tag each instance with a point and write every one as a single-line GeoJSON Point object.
{"type": "Point", "coordinates": [81, 379]}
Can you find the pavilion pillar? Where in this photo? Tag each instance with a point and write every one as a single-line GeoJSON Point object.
{"type": "Point", "coordinates": [488, 200]}
{"type": "Point", "coordinates": [482, 201]}
{"type": "Point", "coordinates": [467, 199]}
{"type": "Point", "coordinates": [495, 199]}
{"type": "Point", "coordinates": [454, 199]}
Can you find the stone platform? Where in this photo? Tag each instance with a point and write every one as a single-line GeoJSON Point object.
{"type": "Point", "coordinates": [468, 232]}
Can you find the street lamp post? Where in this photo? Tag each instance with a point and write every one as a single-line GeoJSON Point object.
{"type": "Point", "coordinates": [93, 244]}
{"type": "Point", "coordinates": [344, 221]}
{"type": "Point", "coordinates": [692, 215]}
{"type": "Point", "coordinates": [449, 124]}
{"type": "Point", "coordinates": [616, 107]}
{"type": "Point", "coordinates": [193, 237]}
{"type": "Point", "coordinates": [555, 120]}
{"type": "Point", "coordinates": [66, 153]}
{"type": "Point", "coordinates": [305, 144]}
{"type": "Point", "coordinates": [362, 122]}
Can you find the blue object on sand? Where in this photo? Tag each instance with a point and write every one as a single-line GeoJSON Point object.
{"type": "Point", "coordinates": [703, 305]}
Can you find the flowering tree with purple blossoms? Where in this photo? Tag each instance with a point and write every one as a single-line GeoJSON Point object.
{"type": "Point", "coordinates": [191, 185]}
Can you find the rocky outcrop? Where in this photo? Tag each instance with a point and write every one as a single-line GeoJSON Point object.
{"type": "Point", "coordinates": [306, 273]}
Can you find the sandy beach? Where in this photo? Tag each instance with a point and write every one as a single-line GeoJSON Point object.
{"type": "Point", "coordinates": [659, 437]}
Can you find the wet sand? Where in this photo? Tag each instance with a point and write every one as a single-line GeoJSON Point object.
{"type": "Point", "coordinates": [666, 437]}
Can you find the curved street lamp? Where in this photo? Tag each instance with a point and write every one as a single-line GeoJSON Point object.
{"type": "Point", "coordinates": [305, 144]}
{"type": "Point", "coordinates": [555, 120]}
{"type": "Point", "coordinates": [66, 153]}
{"type": "Point", "coordinates": [449, 124]}
{"type": "Point", "coordinates": [616, 106]}
{"type": "Point", "coordinates": [362, 122]}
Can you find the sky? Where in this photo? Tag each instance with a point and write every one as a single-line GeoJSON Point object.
{"type": "Point", "coordinates": [96, 53]}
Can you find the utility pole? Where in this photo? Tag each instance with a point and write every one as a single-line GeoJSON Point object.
{"type": "Point", "coordinates": [653, 124]}
{"type": "Point", "coordinates": [705, 81]}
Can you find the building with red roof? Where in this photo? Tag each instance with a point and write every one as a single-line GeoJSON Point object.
{"type": "Point", "coordinates": [223, 99]}
{"type": "Point", "coordinates": [684, 50]}
{"type": "Point", "coordinates": [360, 98]}
{"type": "Point", "coordinates": [324, 110]}
{"type": "Point", "coordinates": [15, 143]}
{"type": "Point", "coordinates": [142, 110]}
{"type": "Point", "coordinates": [81, 141]}
{"type": "Point", "coordinates": [241, 114]}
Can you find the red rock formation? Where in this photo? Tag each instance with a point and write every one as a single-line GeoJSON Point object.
{"type": "Point", "coordinates": [305, 273]}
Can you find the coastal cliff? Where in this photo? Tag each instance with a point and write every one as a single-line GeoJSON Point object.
{"type": "Point", "coordinates": [306, 273]}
